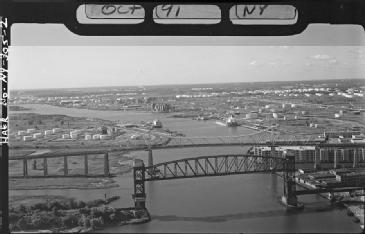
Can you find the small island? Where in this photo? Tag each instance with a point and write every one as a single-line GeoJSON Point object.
{"type": "Point", "coordinates": [67, 215]}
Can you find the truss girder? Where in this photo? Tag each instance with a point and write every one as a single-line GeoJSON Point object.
{"type": "Point", "coordinates": [214, 166]}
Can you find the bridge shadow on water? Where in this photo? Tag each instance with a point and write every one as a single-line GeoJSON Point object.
{"type": "Point", "coordinates": [308, 209]}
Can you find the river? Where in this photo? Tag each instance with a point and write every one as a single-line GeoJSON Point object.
{"type": "Point", "coordinates": [240, 203]}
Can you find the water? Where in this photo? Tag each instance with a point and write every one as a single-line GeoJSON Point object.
{"type": "Point", "coordinates": [240, 203]}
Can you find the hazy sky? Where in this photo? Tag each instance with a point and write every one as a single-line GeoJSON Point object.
{"type": "Point", "coordinates": [67, 62]}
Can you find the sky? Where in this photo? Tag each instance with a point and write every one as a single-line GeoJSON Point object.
{"type": "Point", "coordinates": [49, 56]}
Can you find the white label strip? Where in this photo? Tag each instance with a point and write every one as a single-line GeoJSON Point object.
{"type": "Point", "coordinates": [263, 14]}
{"type": "Point", "coordinates": [187, 14]}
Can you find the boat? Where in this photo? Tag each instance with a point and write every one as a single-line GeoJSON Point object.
{"type": "Point", "coordinates": [156, 123]}
{"type": "Point", "coordinates": [202, 118]}
{"type": "Point", "coordinates": [231, 122]}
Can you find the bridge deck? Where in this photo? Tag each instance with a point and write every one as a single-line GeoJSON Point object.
{"type": "Point", "coordinates": [198, 145]}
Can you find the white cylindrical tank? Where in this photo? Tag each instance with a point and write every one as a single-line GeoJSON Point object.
{"type": "Point", "coordinates": [73, 135]}
{"type": "Point", "coordinates": [87, 137]}
{"type": "Point", "coordinates": [104, 137]}
{"type": "Point", "coordinates": [21, 133]}
{"type": "Point", "coordinates": [251, 115]}
{"type": "Point", "coordinates": [275, 115]}
{"type": "Point", "coordinates": [65, 136]}
{"type": "Point", "coordinates": [27, 138]}
{"type": "Point", "coordinates": [30, 130]}
{"type": "Point", "coordinates": [77, 131]}
{"type": "Point", "coordinates": [337, 115]}
{"type": "Point", "coordinates": [37, 135]}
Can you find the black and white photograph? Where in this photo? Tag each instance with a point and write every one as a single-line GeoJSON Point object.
{"type": "Point", "coordinates": [182, 117]}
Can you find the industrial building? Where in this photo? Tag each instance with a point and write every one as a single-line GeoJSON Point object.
{"type": "Point", "coordinates": [161, 107]}
{"type": "Point", "coordinates": [307, 154]}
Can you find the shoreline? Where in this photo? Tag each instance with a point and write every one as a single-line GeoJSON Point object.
{"type": "Point", "coordinates": [355, 209]}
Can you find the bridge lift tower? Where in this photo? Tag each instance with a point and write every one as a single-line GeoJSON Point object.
{"type": "Point", "coordinates": [139, 195]}
{"type": "Point", "coordinates": [289, 197]}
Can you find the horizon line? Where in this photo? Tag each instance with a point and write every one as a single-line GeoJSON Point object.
{"type": "Point", "coordinates": [214, 83]}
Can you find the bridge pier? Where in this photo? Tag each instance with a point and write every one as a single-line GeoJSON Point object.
{"type": "Point", "coordinates": [106, 164]}
{"type": "Point", "coordinates": [139, 195]}
{"type": "Point", "coordinates": [317, 159]}
{"type": "Point", "coordinates": [45, 166]}
{"type": "Point", "coordinates": [86, 164]}
{"type": "Point", "coordinates": [150, 159]}
{"type": "Point", "coordinates": [25, 167]}
{"type": "Point", "coordinates": [354, 159]}
{"type": "Point", "coordinates": [65, 165]}
{"type": "Point", "coordinates": [273, 155]}
{"type": "Point", "coordinates": [289, 198]}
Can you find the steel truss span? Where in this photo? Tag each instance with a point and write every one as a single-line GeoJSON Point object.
{"type": "Point", "coordinates": [219, 165]}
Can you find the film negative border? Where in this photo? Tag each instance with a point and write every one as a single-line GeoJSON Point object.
{"type": "Point", "coordinates": [4, 52]}
{"type": "Point", "coordinates": [64, 12]}
{"type": "Point", "coordinates": [309, 11]}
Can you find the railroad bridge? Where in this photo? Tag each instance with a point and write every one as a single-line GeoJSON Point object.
{"type": "Point", "coordinates": [221, 165]}
{"type": "Point", "coordinates": [224, 165]}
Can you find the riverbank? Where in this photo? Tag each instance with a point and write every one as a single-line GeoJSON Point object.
{"type": "Point", "coordinates": [354, 204]}
{"type": "Point", "coordinates": [358, 212]}
{"type": "Point", "coordinates": [355, 207]}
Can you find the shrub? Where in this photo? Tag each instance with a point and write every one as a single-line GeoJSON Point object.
{"type": "Point", "coordinates": [69, 221]}
{"type": "Point", "coordinates": [85, 210]}
{"type": "Point", "coordinates": [96, 222]}
{"type": "Point", "coordinates": [55, 212]}
{"type": "Point", "coordinates": [95, 212]}
{"type": "Point", "coordinates": [44, 219]}
{"type": "Point", "coordinates": [23, 208]}
{"type": "Point", "coordinates": [40, 206]}
{"type": "Point", "coordinates": [72, 204]}
{"type": "Point", "coordinates": [81, 204]}
{"type": "Point", "coordinates": [22, 223]}
{"type": "Point", "coordinates": [84, 222]}
{"type": "Point", "coordinates": [13, 227]}
{"type": "Point", "coordinates": [13, 217]}
{"type": "Point", "coordinates": [37, 221]}
{"type": "Point", "coordinates": [94, 203]}
{"type": "Point", "coordinates": [87, 223]}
